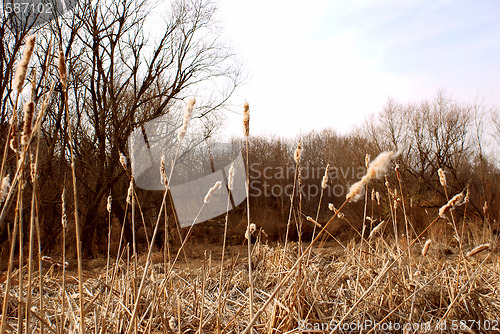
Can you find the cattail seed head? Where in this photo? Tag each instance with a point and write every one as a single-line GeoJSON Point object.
{"type": "Point", "coordinates": [325, 177]}
{"type": "Point", "coordinates": [485, 208]}
{"type": "Point", "coordinates": [356, 191]}
{"type": "Point", "coordinates": [13, 142]}
{"type": "Point", "coordinates": [251, 229]}
{"type": "Point", "coordinates": [64, 216]}
{"type": "Point", "coordinates": [452, 203]}
{"type": "Point", "coordinates": [22, 67]}
{"type": "Point", "coordinates": [478, 249]}
{"type": "Point", "coordinates": [367, 160]}
{"type": "Point", "coordinates": [377, 196]}
{"type": "Point", "coordinates": [426, 247]}
{"type": "Point", "coordinates": [28, 110]}
{"type": "Point", "coordinates": [376, 229]}
{"type": "Point", "coordinates": [297, 153]}
{"type": "Point", "coordinates": [230, 177]}
{"type": "Point", "coordinates": [63, 75]}
{"type": "Point", "coordinates": [442, 177]}
{"type": "Point", "coordinates": [109, 203]}
{"type": "Point", "coordinates": [376, 168]}
{"type": "Point", "coordinates": [188, 112]}
{"type": "Point", "coordinates": [123, 160]}
{"type": "Point", "coordinates": [246, 119]}
{"type": "Point", "coordinates": [130, 191]}
{"type": "Point", "coordinates": [4, 188]}
{"type": "Point", "coordinates": [211, 191]}
{"type": "Point", "coordinates": [163, 173]}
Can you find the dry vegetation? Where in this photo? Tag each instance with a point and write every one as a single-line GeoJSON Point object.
{"type": "Point", "coordinates": [439, 274]}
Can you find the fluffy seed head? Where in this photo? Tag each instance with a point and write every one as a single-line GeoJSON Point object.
{"type": "Point", "coordinates": [22, 67]}
{"type": "Point", "coordinates": [28, 110]}
{"type": "Point", "coordinates": [367, 160]}
{"type": "Point", "coordinates": [376, 229]}
{"type": "Point", "coordinates": [63, 75]}
{"type": "Point", "coordinates": [4, 188]}
{"type": "Point", "coordinates": [379, 166]}
{"type": "Point", "coordinates": [331, 207]}
{"type": "Point", "coordinates": [252, 228]}
{"type": "Point", "coordinates": [377, 195]}
{"type": "Point", "coordinates": [123, 160]}
{"type": "Point", "coordinates": [297, 153]}
{"type": "Point", "coordinates": [426, 247]}
{"type": "Point", "coordinates": [163, 173]}
{"type": "Point", "coordinates": [230, 177]}
{"type": "Point", "coordinates": [325, 177]}
{"type": "Point", "coordinates": [442, 177]}
{"type": "Point", "coordinates": [130, 192]}
{"type": "Point", "coordinates": [211, 191]}
{"type": "Point", "coordinates": [478, 249]}
{"type": "Point", "coordinates": [188, 112]}
{"type": "Point", "coordinates": [356, 191]}
{"type": "Point", "coordinates": [246, 119]}
{"type": "Point", "coordinates": [109, 203]}
{"type": "Point", "coordinates": [452, 203]}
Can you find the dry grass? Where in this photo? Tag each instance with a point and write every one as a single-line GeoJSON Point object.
{"type": "Point", "coordinates": [335, 286]}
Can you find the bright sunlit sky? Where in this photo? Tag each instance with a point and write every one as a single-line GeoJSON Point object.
{"type": "Point", "coordinates": [317, 63]}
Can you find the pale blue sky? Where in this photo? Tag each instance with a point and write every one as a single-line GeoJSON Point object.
{"type": "Point", "coordinates": [315, 64]}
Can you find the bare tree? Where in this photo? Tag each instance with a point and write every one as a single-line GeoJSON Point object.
{"type": "Point", "coordinates": [124, 71]}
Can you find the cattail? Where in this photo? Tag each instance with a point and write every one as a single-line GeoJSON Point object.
{"type": "Point", "coordinates": [29, 108]}
{"type": "Point", "coordinates": [367, 160]}
{"type": "Point", "coordinates": [426, 247]}
{"type": "Point", "coordinates": [22, 67]}
{"type": "Point", "coordinates": [109, 203]}
{"type": "Point", "coordinates": [64, 216]}
{"type": "Point", "coordinates": [4, 188]}
{"type": "Point", "coordinates": [63, 76]}
{"type": "Point", "coordinates": [478, 249]}
{"type": "Point", "coordinates": [376, 229]}
{"type": "Point", "coordinates": [187, 117]}
{"type": "Point", "coordinates": [309, 218]}
{"type": "Point", "coordinates": [356, 191]}
{"type": "Point", "coordinates": [377, 196]}
{"type": "Point", "coordinates": [123, 160]}
{"type": "Point", "coordinates": [485, 208]}
{"type": "Point", "coordinates": [297, 153]}
{"type": "Point", "coordinates": [442, 177]}
{"type": "Point", "coordinates": [130, 191]}
{"type": "Point", "coordinates": [375, 169]}
{"type": "Point", "coordinates": [13, 142]}
{"type": "Point", "coordinates": [211, 191]}
{"type": "Point", "coordinates": [325, 177]}
{"type": "Point", "coordinates": [163, 172]}
{"type": "Point", "coordinates": [379, 166]}
{"type": "Point", "coordinates": [455, 201]}
{"type": "Point", "coordinates": [373, 194]}
{"type": "Point", "coordinates": [230, 177]}
{"type": "Point", "coordinates": [252, 229]}
{"type": "Point", "coordinates": [246, 119]}
{"type": "Point", "coordinates": [32, 167]}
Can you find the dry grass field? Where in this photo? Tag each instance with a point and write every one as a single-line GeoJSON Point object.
{"type": "Point", "coordinates": [388, 277]}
